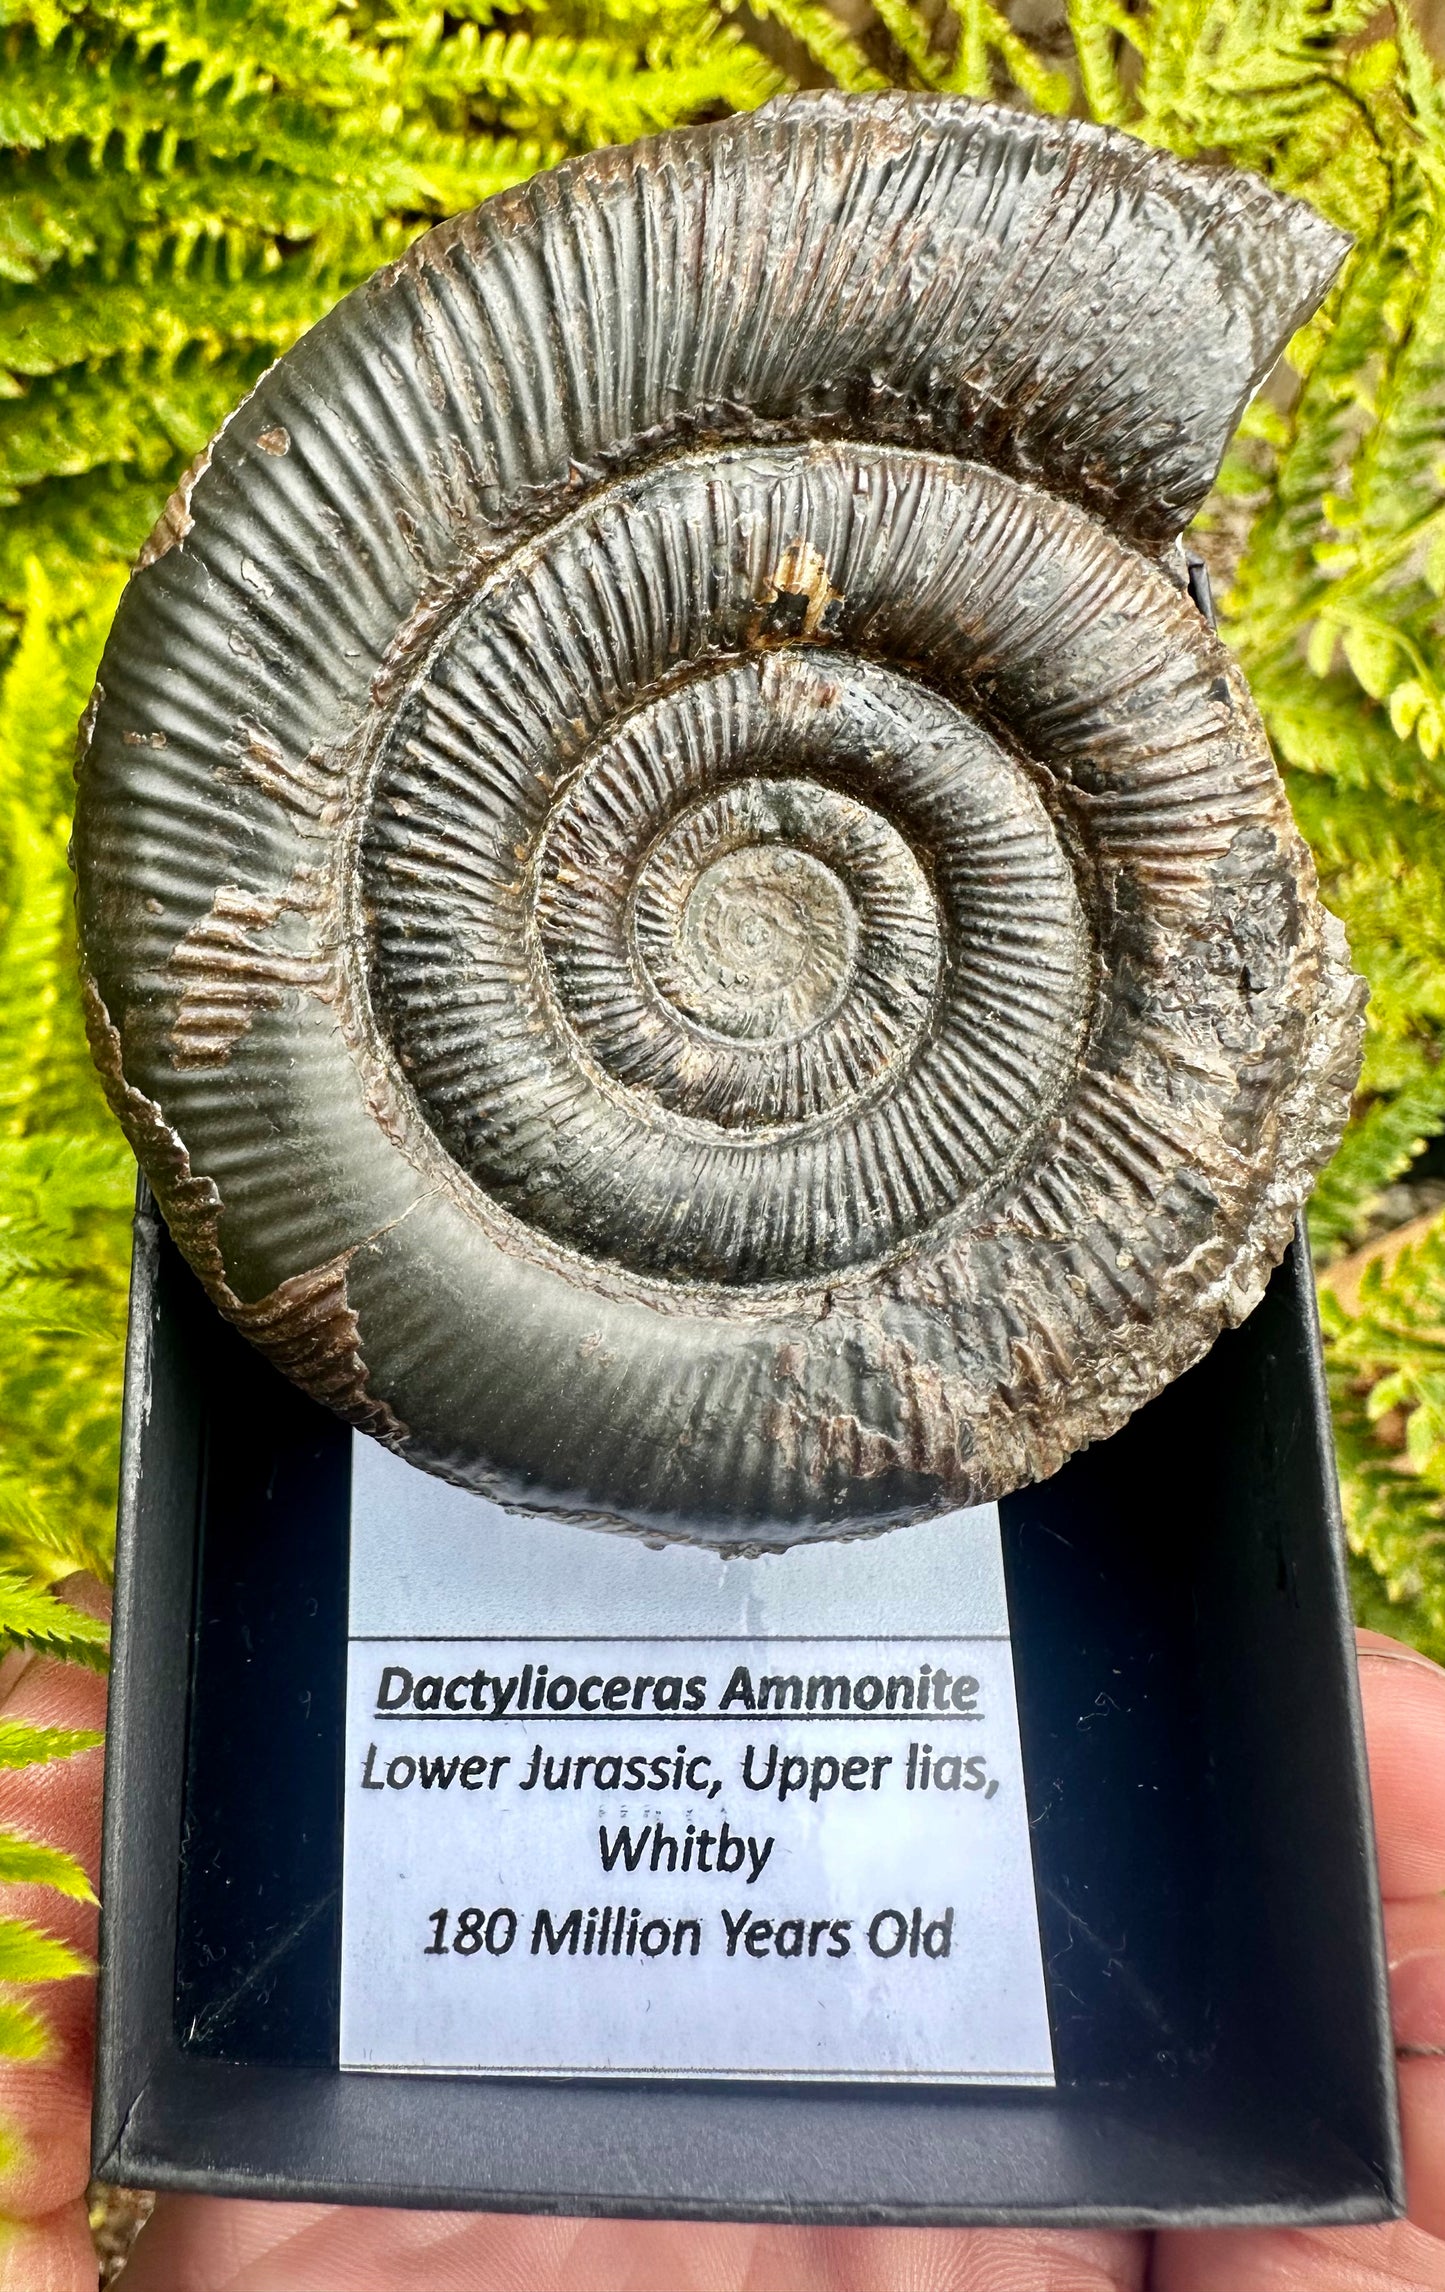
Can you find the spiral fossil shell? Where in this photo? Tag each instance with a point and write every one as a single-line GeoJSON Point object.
{"type": "Point", "coordinates": [685, 916]}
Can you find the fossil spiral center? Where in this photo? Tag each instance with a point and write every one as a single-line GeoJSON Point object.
{"type": "Point", "coordinates": [717, 960]}
{"type": "Point", "coordinates": [766, 947]}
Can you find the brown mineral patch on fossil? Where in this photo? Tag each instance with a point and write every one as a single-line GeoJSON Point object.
{"type": "Point", "coordinates": [822, 1437]}
{"type": "Point", "coordinates": [192, 1205]}
{"type": "Point", "coordinates": [306, 1325]}
{"type": "Point", "coordinates": [174, 522]}
{"type": "Point", "coordinates": [226, 977]}
{"type": "Point", "coordinates": [310, 788]}
{"type": "Point", "coordinates": [275, 441]}
{"type": "Point", "coordinates": [802, 571]}
{"type": "Point", "coordinates": [427, 615]}
{"type": "Point", "coordinates": [85, 730]}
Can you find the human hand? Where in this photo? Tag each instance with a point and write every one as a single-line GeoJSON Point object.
{"type": "Point", "coordinates": [205, 2244]}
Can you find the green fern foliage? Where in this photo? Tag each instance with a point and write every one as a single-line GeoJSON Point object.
{"type": "Point", "coordinates": [1387, 1361]}
{"type": "Point", "coordinates": [65, 1180]}
{"type": "Point", "coordinates": [22, 1745]}
{"type": "Point", "coordinates": [1329, 528]}
{"type": "Point", "coordinates": [64, 1187]}
{"type": "Point", "coordinates": [28, 1954]}
{"type": "Point", "coordinates": [185, 188]}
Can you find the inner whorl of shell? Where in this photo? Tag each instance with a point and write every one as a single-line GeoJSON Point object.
{"type": "Point", "coordinates": [688, 926]}
{"type": "Point", "coordinates": [759, 982]}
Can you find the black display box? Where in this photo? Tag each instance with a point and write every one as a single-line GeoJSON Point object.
{"type": "Point", "coordinates": [1198, 1801]}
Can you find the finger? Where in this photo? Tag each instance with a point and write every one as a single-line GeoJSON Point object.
{"type": "Point", "coordinates": [45, 2104]}
{"type": "Point", "coordinates": [1403, 1694]}
{"type": "Point", "coordinates": [50, 2255]}
{"type": "Point", "coordinates": [59, 1801]}
{"type": "Point", "coordinates": [1398, 2257]}
{"type": "Point", "coordinates": [1415, 1946]}
{"type": "Point", "coordinates": [1422, 2117]}
{"type": "Point", "coordinates": [45, 2107]}
{"type": "Point", "coordinates": [940, 2260]}
{"type": "Point", "coordinates": [208, 2245]}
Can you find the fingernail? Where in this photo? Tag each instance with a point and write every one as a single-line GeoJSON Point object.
{"type": "Point", "coordinates": [1417, 2000]}
{"type": "Point", "coordinates": [1410, 1655]}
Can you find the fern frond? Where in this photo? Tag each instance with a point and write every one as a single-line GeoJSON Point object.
{"type": "Point", "coordinates": [75, 322]}
{"type": "Point", "coordinates": [29, 1862]}
{"type": "Point", "coordinates": [1395, 1525]}
{"type": "Point", "coordinates": [985, 34]}
{"type": "Point", "coordinates": [1099, 27]}
{"type": "Point", "coordinates": [79, 532]}
{"type": "Point", "coordinates": [32, 1618]}
{"type": "Point", "coordinates": [1327, 726]}
{"type": "Point", "coordinates": [25, 1746]}
{"type": "Point", "coordinates": [56, 209]}
{"type": "Point", "coordinates": [1387, 1364]}
{"type": "Point", "coordinates": [1379, 1147]}
{"type": "Point", "coordinates": [823, 39]}
{"type": "Point", "coordinates": [1280, 582]}
{"type": "Point", "coordinates": [147, 414]}
{"type": "Point", "coordinates": [23, 2034]}
{"type": "Point", "coordinates": [591, 84]}
{"type": "Point", "coordinates": [29, 1954]}
{"type": "Point", "coordinates": [298, 45]}
{"type": "Point", "coordinates": [65, 1177]}
{"type": "Point", "coordinates": [913, 38]}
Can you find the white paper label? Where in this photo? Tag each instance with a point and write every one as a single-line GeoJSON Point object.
{"type": "Point", "coordinates": [613, 1811]}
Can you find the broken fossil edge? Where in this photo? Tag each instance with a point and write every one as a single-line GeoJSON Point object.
{"type": "Point", "coordinates": [779, 455]}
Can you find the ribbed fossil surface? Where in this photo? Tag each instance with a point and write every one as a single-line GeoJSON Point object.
{"type": "Point", "coordinates": [685, 916]}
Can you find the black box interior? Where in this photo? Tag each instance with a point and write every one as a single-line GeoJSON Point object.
{"type": "Point", "coordinates": [1198, 1804]}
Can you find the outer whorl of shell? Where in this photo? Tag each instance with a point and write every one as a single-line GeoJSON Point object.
{"type": "Point", "coordinates": [688, 923]}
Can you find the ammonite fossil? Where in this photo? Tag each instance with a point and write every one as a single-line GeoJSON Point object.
{"type": "Point", "coordinates": [684, 914]}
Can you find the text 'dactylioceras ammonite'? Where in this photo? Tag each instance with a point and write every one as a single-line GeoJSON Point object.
{"type": "Point", "coordinates": [687, 920]}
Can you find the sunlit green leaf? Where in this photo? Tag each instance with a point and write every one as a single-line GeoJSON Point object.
{"type": "Point", "coordinates": [28, 1862]}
